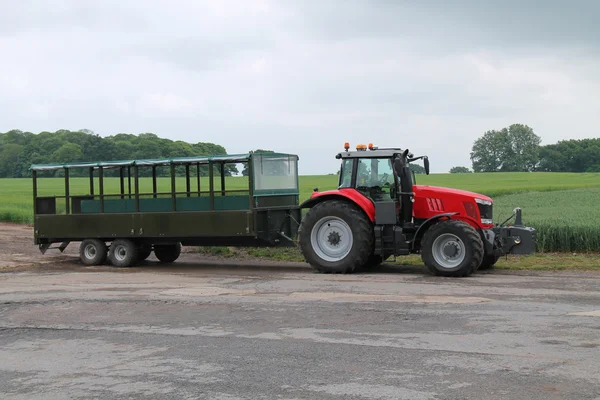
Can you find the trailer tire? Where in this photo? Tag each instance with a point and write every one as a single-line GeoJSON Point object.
{"type": "Point", "coordinates": [167, 253]}
{"type": "Point", "coordinates": [488, 262]}
{"type": "Point", "coordinates": [452, 248]}
{"type": "Point", "coordinates": [93, 252]}
{"type": "Point", "coordinates": [144, 252]}
{"type": "Point", "coordinates": [323, 232]}
{"type": "Point", "coordinates": [123, 253]}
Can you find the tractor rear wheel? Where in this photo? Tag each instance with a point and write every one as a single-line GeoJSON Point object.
{"type": "Point", "coordinates": [488, 261]}
{"type": "Point", "coordinates": [452, 248]}
{"type": "Point", "coordinates": [336, 237]}
{"type": "Point", "coordinates": [167, 253]}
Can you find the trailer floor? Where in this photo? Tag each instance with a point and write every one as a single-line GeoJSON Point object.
{"type": "Point", "coordinates": [205, 328]}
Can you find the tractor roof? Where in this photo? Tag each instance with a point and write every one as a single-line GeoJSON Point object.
{"type": "Point", "coordinates": [378, 153]}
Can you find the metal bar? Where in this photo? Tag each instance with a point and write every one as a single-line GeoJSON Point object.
{"type": "Point", "coordinates": [129, 179]}
{"type": "Point", "coordinates": [222, 178]}
{"type": "Point", "coordinates": [137, 189]}
{"type": "Point", "coordinates": [101, 184]}
{"type": "Point", "coordinates": [198, 177]}
{"type": "Point", "coordinates": [67, 194]}
{"type": "Point", "coordinates": [251, 182]}
{"type": "Point", "coordinates": [92, 181]}
{"type": "Point", "coordinates": [187, 179]}
{"type": "Point", "coordinates": [211, 177]}
{"type": "Point", "coordinates": [122, 180]}
{"type": "Point", "coordinates": [35, 190]}
{"type": "Point", "coordinates": [173, 197]}
{"type": "Point", "coordinates": [154, 185]}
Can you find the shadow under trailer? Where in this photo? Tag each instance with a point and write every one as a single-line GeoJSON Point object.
{"type": "Point", "coordinates": [377, 212]}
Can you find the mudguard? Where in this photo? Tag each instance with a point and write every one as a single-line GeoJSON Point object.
{"type": "Point", "coordinates": [352, 195]}
{"type": "Point", "coordinates": [451, 215]}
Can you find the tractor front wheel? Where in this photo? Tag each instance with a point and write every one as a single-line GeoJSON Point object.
{"type": "Point", "coordinates": [336, 237]}
{"type": "Point", "coordinates": [452, 248]}
{"type": "Point", "coordinates": [488, 262]}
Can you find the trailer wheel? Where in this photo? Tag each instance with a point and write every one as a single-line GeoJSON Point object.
{"type": "Point", "coordinates": [336, 237]}
{"type": "Point", "coordinates": [144, 252]}
{"type": "Point", "coordinates": [167, 253]}
{"type": "Point", "coordinates": [452, 248]}
{"type": "Point", "coordinates": [123, 253]}
{"type": "Point", "coordinates": [93, 252]}
{"type": "Point", "coordinates": [488, 261]}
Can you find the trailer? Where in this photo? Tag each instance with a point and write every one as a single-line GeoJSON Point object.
{"type": "Point", "coordinates": [125, 222]}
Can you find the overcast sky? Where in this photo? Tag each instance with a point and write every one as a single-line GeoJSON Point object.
{"type": "Point", "coordinates": [303, 76]}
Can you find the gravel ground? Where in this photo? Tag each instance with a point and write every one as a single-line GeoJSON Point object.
{"type": "Point", "coordinates": [224, 329]}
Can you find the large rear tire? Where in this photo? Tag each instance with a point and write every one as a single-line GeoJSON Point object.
{"type": "Point", "coordinates": [452, 248]}
{"type": "Point", "coordinates": [93, 252]}
{"type": "Point", "coordinates": [336, 237]}
{"type": "Point", "coordinates": [167, 253]}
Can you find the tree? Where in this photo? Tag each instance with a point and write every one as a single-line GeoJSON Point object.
{"type": "Point", "coordinates": [460, 170]}
{"type": "Point", "coordinates": [18, 150]}
{"type": "Point", "coordinates": [68, 152]}
{"type": "Point", "coordinates": [416, 168]}
{"type": "Point", "coordinates": [571, 156]}
{"type": "Point", "coordinates": [515, 148]}
{"type": "Point", "coordinates": [245, 170]}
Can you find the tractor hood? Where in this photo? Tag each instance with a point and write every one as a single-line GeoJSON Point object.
{"type": "Point", "coordinates": [437, 191]}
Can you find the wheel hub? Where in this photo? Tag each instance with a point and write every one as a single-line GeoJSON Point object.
{"type": "Point", "coordinates": [90, 251]}
{"type": "Point", "coordinates": [120, 253]}
{"type": "Point", "coordinates": [334, 238]}
{"type": "Point", "coordinates": [449, 251]}
{"type": "Point", "coordinates": [331, 239]}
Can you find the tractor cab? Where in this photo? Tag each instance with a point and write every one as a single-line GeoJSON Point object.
{"type": "Point", "coordinates": [384, 177]}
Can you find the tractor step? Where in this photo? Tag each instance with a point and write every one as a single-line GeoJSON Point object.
{"type": "Point", "coordinates": [390, 241]}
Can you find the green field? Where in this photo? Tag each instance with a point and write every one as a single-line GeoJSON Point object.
{"type": "Point", "coordinates": [561, 206]}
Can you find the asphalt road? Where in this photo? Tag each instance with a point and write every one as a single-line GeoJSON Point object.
{"type": "Point", "coordinates": [198, 331]}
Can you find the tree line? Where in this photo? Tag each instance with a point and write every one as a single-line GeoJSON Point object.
{"type": "Point", "coordinates": [518, 149]}
{"type": "Point", "coordinates": [18, 150]}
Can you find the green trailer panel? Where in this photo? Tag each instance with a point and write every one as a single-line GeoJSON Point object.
{"type": "Point", "coordinates": [145, 225]}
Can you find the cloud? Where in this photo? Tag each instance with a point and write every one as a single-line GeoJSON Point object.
{"type": "Point", "coordinates": [303, 77]}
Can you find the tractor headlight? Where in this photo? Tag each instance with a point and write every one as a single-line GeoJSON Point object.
{"type": "Point", "coordinates": [484, 202]}
{"type": "Point", "coordinates": [486, 212]}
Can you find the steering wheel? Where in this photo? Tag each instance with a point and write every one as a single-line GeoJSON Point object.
{"type": "Point", "coordinates": [384, 181]}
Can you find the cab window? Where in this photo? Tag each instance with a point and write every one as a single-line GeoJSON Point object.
{"type": "Point", "coordinates": [375, 177]}
{"type": "Point", "coordinates": [345, 180]}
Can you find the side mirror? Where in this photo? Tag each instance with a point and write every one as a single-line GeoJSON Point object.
{"type": "Point", "coordinates": [426, 162]}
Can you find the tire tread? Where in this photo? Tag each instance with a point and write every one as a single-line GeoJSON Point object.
{"type": "Point", "coordinates": [475, 243]}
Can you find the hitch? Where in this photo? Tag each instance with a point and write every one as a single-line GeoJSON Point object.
{"type": "Point", "coordinates": [518, 215]}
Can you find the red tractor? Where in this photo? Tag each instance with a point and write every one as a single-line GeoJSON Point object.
{"type": "Point", "coordinates": [378, 212]}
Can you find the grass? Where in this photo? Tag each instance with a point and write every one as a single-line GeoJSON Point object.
{"type": "Point", "coordinates": [561, 206]}
{"type": "Point", "coordinates": [16, 194]}
{"type": "Point", "coordinates": [565, 220]}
